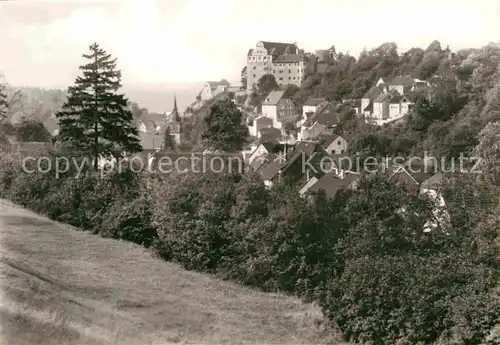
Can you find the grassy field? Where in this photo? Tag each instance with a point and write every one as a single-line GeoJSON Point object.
{"type": "Point", "coordinates": [62, 286]}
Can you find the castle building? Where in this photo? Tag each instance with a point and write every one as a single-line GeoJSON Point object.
{"type": "Point", "coordinates": [283, 60]}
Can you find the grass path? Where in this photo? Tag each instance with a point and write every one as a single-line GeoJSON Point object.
{"type": "Point", "coordinates": [63, 286]}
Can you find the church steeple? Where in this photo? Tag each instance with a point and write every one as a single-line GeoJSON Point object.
{"type": "Point", "coordinates": [175, 117]}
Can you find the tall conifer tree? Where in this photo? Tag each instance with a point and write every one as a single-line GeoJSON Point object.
{"type": "Point", "coordinates": [96, 119]}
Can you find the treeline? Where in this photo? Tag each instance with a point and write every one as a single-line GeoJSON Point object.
{"type": "Point", "coordinates": [465, 97]}
{"type": "Point", "coordinates": [377, 276]}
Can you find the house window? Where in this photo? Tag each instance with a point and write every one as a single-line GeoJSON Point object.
{"type": "Point", "coordinates": [342, 151]}
{"type": "Point", "coordinates": [254, 75]}
{"type": "Point", "coordinates": [281, 78]}
{"type": "Point", "coordinates": [289, 71]}
{"type": "Point", "coordinates": [339, 143]}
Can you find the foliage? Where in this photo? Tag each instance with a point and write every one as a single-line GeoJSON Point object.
{"type": "Point", "coordinates": [31, 130]}
{"type": "Point", "coordinates": [4, 105]}
{"type": "Point", "coordinates": [224, 128]}
{"type": "Point", "coordinates": [93, 100]}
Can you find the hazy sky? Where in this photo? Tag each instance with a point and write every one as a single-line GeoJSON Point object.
{"type": "Point", "coordinates": [174, 42]}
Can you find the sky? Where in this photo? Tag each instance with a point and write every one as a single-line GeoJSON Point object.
{"type": "Point", "coordinates": [176, 43]}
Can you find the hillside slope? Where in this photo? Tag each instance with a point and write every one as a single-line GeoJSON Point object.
{"type": "Point", "coordinates": [62, 286]}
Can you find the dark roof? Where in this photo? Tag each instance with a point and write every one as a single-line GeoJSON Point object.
{"type": "Point", "coordinates": [312, 102]}
{"type": "Point", "coordinates": [302, 148]}
{"type": "Point", "coordinates": [331, 183]}
{"type": "Point", "coordinates": [327, 118]}
{"type": "Point", "coordinates": [327, 139]}
{"type": "Point", "coordinates": [369, 107]}
{"type": "Point", "coordinates": [433, 182]}
{"type": "Point", "coordinates": [373, 92]}
{"type": "Point", "coordinates": [288, 58]}
{"type": "Point", "coordinates": [270, 170]}
{"type": "Point", "coordinates": [263, 119]}
{"type": "Point", "coordinates": [273, 98]}
{"type": "Point", "coordinates": [405, 80]}
{"type": "Point", "coordinates": [270, 134]}
{"type": "Point", "coordinates": [174, 115]}
{"type": "Point", "coordinates": [396, 99]}
{"type": "Point", "coordinates": [260, 162]}
{"type": "Point", "coordinates": [382, 98]}
{"type": "Point", "coordinates": [279, 48]}
{"type": "Point", "coordinates": [417, 173]}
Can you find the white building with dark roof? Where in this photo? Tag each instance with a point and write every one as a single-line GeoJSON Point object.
{"type": "Point", "coordinates": [282, 60]}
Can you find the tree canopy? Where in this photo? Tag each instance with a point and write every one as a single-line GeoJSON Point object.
{"type": "Point", "coordinates": [96, 119]}
{"type": "Point", "coordinates": [224, 128]}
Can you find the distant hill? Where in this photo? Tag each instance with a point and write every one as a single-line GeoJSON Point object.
{"type": "Point", "coordinates": [41, 104]}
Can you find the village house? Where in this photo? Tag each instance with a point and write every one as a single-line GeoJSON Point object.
{"type": "Point", "coordinates": [282, 60]}
{"type": "Point", "coordinates": [258, 123]}
{"type": "Point", "coordinates": [303, 163]}
{"type": "Point", "coordinates": [310, 108]}
{"type": "Point", "coordinates": [368, 98]}
{"type": "Point", "coordinates": [213, 88]}
{"type": "Point", "coordinates": [278, 108]}
{"type": "Point", "coordinates": [268, 148]}
{"type": "Point", "coordinates": [335, 145]}
{"type": "Point", "coordinates": [331, 183]}
{"type": "Point", "coordinates": [322, 122]}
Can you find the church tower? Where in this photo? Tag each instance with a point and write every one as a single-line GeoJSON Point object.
{"type": "Point", "coordinates": [174, 123]}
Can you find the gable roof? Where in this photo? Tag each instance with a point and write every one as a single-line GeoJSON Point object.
{"type": "Point", "coordinates": [374, 92]}
{"type": "Point", "coordinates": [270, 134]}
{"type": "Point", "coordinates": [279, 48]}
{"type": "Point", "coordinates": [369, 107]}
{"type": "Point", "coordinates": [263, 119]}
{"type": "Point", "coordinates": [273, 98]}
{"type": "Point", "coordinates": [327, 117]}
{"type": "Point", "coordinates": [329, 139]}
{"type": "Point", "coordinates": [404, 80]}
{"type": "Point", "coordinates": [396, 99]}
{"type": "Point", "coordinates": [269, 171]}
{"type": "Point", "coordinates": [288, 58]}
{"type": "Point", "coordinates": [434, 181]}
{"type": "Point", "coordinates": [306, 148]}
{"type": "Point", "coordinates": [313, 102]}
{"type": "Point", "coordinates": [382, 98]}
{"type": "Point", "coordinates": [331, 183]}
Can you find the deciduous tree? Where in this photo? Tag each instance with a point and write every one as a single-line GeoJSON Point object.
{"type": "Point", "coordinates": [224, 128]}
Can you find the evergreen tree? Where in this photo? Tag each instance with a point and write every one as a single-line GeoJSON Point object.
{"type": "Point", "coordinates": [96, 119]}
{"type": "Point", "coordinates": [169, 142]}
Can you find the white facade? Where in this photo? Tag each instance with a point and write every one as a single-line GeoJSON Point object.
{"type": "Point", "coordinates": [260, 151]}
{"type": "Point", "coordinates": [271, 111]}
